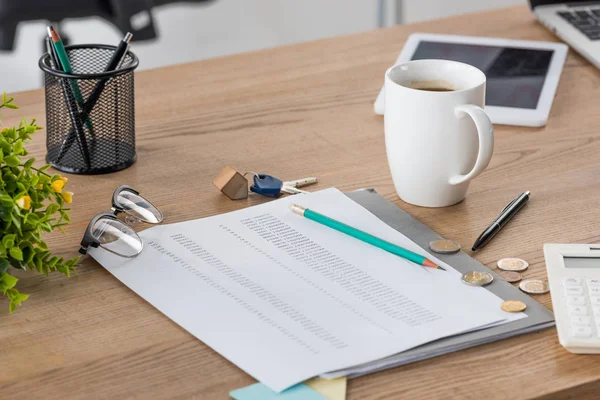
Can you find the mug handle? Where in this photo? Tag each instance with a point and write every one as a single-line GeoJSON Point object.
{"type": "Point", "coordinates": [485, 131]}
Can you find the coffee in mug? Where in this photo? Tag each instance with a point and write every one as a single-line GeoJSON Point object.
{"type": "Point", "coordinates": [432, 86]}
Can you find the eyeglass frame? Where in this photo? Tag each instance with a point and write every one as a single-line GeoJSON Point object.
{"type": "Point", "coordinates": [89, 240]}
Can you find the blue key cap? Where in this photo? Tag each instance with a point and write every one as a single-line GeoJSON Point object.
{"type": "Point", "coordinates": [267, 185]}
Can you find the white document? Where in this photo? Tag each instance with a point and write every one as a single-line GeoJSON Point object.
{"type": "Point", "coordinates": [287, 299]}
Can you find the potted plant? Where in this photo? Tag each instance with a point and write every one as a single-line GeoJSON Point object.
{"type": "Point", "coordinates": [32, 201]}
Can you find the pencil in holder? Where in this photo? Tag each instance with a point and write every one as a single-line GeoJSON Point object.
{"type": "Point", "coordinates": [90, 113]}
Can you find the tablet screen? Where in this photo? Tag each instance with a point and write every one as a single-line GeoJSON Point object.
{"type": "Point", "coordinates": [515, 76]}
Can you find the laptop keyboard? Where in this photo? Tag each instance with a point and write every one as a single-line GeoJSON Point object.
{"type": "Point", "coordinates": [586, 21]}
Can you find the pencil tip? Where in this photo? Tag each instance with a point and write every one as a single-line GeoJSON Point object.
{"type": "Point", "coordinates": [442, 268]}
{"type": "Point", "coordinates": [52, 33]}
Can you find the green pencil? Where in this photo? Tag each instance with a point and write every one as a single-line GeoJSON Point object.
{"type": "Point", "coordinates": [66, 66]}
{"type": "Point", "coordinates": [363, 236]}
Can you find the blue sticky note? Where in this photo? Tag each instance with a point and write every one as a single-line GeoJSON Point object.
{"type": "Point", "coordinates": [258, 391]}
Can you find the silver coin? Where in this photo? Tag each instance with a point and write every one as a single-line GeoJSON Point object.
{"type": "Point", "coordinates": [477, 278]}
{"type": "Point", "coordinates": [512, 264]}
{"type": "Point", "coordinates": [534, 286]}
{"type": "Point", "coordinates": [444, 246]}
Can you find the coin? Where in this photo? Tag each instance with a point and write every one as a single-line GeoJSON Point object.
{"type": "Point", "coordinates": [534, 286]}
{"type": "Point", "coordinates": [513, 306]}
{"type": "Point", "coordinates": [444, 246]}
{"type": "Point", "coordinates": [512, 264]}
{"type": "Point", "coordinates": [511, 276]}
{"type": "Point", "coordinates": [477, 278]}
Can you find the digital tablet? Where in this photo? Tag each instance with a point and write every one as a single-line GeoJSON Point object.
{"type": "Point", "coordinates": [522, 76]}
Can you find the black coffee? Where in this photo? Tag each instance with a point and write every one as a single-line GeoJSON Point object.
{"type": "Point", "coordinates": [434, 89]}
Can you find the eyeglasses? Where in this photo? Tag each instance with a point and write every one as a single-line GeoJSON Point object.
{"type": "Point", "coordinates": [112, 234]}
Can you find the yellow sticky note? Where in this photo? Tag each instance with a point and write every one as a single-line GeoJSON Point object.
{"type": "Point", "coordinates": [333, 389]}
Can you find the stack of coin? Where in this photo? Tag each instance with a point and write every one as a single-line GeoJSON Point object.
{"type": "Point", "coordinates": [477, 278]}
{"type": "Point", "coordinates": [512, 264]}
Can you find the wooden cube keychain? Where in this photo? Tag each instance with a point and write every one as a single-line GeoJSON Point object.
{"type": "Point", "coordinates": [234, 184]}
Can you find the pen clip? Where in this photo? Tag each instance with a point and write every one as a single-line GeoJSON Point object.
{"type": "Point", "coordinates": [508, 205]}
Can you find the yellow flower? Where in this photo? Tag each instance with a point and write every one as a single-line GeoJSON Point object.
{"type": "Point", "coordinates": [24, 202]}
{"type": "Point", "coordinates": [68, 197]}
{"type": "Point", "coordinates": [3, 131]}
{"type": "Point", "coordinates": [59, 184]}
{"type": "Point", "coordinates": [40, 186]}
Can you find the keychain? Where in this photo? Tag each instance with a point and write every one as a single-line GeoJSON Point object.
{"type": "Point", "coordinates": [234, 185]}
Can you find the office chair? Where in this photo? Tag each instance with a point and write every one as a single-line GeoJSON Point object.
{"type": "Point", "coordinates": [133, 16]}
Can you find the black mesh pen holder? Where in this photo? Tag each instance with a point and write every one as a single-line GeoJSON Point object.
{"type": "Point", "coordinates": [90, 114]}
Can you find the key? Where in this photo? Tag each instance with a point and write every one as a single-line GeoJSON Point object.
{"type": "Point", "coordinates": [298, 183]}
{"type": "Point", "coordinates": [291, 189]}
{"type": "Point", "coordinates": [581, 321]}
{"type": "Point", "coordinates": [576, 300]}
{"type": "Point", "coordinates": [577, 311]}
{"type": "Point", "coordinates": [581, 331]}
{"type": "Point", "coordinates": [575, 291]}
{"type": "Point", "coordinates": [270, 186]}
{"type": "Point", "coordinates": [267, 185]}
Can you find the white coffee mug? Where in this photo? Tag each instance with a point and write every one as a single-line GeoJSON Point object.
{"type": "Point", "coordinates": [436, 141]}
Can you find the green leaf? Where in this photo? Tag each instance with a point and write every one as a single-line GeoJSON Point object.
{"type": "Point", "coordinates": [53, 261]}
{"type": "Point", "coordinates": [12, 106]}
{"type": "Point", "coordinates": [18, 147]}
{"type": "Point", "coordinates": [16, 253]}
{"type": "Point", "coordinates": [12, 307]}
{"type": "Point", "coordinates": [16, 219]}
{"type": "Point", "coordinates": [52, 208]}
{"type": "Point", "coordinates": [12, 161]}
{"type": "Point", "coordinates": [3, 266]}
{"type": "Point", "coordinates": [7, 282]}
{"type": "Point", "coordinates": [9, 240]}
{"type": "Point", "coordinates": [65, 215]}
{"type": "Point", "coordinates": [29, 163]}
{"type": "Point", "coordinates": [45, 167]}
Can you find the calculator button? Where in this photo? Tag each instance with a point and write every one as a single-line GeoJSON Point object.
{"type": "Point", "coordinates": [577, 311]}
{"type": "Point", "coordinates": [578, 300]}
{"type": "Point", "coordinates": [572, 282]}
{"type": "Point", "coordinates": [595, 300]}
{"type": "Point", "coordinates": [594, 291]}
{"type": "Point", "coordinates": [576, 290]}
{"type": "Point", "coordinates": [581, 321]}
{"type": "Point", "coordinates": [581, 331]}
{"type": "Point", "coordinates": [594, 282]}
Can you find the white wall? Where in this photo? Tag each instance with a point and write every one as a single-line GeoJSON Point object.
{"type": "Point", "coordinates": [194, 32]}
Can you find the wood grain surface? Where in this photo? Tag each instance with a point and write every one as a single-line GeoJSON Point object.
{"type": "Point", "coordinates": [299, 111]}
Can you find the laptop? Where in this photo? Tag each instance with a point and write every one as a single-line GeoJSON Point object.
{"type": "Point", "coordinates": [575, 22]}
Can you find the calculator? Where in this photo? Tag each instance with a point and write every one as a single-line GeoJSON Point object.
{"type": "Point", "coordinates": [574, 278]}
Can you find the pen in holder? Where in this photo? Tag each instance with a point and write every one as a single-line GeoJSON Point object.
{"type": "Point", "coordinates": [90, 114]}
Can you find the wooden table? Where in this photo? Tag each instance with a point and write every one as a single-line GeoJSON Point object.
{"type": "Point", "coordinates": [297, 111]}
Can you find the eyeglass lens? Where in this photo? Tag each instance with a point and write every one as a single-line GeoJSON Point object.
{"type": "Point", "coordinates": [138, 207]}
{"type": "Point", "coordinates": [116, 237]}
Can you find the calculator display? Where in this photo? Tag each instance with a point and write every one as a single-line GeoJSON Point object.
{"type": "Point", "coordinates": [515, 76]}
{"type": "Point", "coordinates": [582, 262]}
